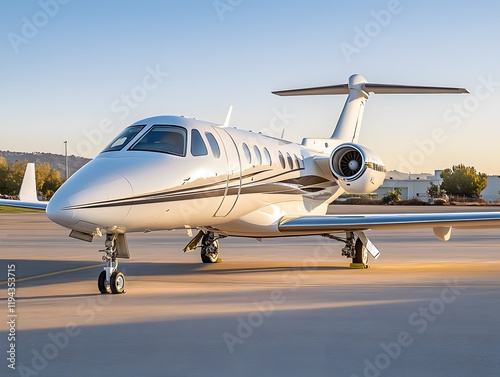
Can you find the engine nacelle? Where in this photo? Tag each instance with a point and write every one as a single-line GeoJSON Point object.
{"type": "Point", "coordinates": [358, 169]}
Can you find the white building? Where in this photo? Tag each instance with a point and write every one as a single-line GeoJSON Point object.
{"type": "Point", "coordinates": [491, 192]}
{"type": "Point", "coordinates": [416, 185]}
{"type": "Point", "coordinates": [411, 185]}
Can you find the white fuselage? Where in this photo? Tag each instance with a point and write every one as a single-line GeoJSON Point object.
{"type": "Point", "coordinates": [242, 192]}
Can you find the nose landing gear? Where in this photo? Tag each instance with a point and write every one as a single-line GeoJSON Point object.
{"type": "Point", "coordinates": [110, 280]}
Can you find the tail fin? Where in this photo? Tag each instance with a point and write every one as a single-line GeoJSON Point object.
{"type": "Point", "coordinates": [28, 191]}
{"type": "Point", "coordinates": [349, 123]}
{"type": "Point", "coordinates": [27, 195]}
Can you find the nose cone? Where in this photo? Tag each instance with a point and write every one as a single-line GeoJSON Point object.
{"type": "Point", "coordinates": [58, 210]}
{"type": "Point", "coordinates": [97, 195]}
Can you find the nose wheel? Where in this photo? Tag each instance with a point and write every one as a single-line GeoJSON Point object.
{"type": "Point", "coordinates": [102, 284]}
{"type": "Point", "coordinates": [110, 280]}
{"type": "Point", "coordinates": [117, 282]}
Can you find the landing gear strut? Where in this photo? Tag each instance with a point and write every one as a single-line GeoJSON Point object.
{"type": "Point", "coordinates": [209, 248]}
{"type": "Point", "coordinates": [209, 244]}
{"type": "Point", "coordinates": [361, 255]}
{"type": "Point", "coordinates": [355, 249]}
{"type": "Point", "coordinates": [110, 279]}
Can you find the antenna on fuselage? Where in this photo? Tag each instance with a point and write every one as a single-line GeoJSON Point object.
{"type": "Point", "coordinates": [228, 117]}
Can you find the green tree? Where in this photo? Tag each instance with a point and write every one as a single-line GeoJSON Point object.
{"type": "Point", "coordinates": [433, 191]}
{"type": "Point", "coordinates": [463, 180]}
{"type": "Point", "coordinates": [15, 175]}
{"type": "Point", "coordinates": [42, 171]}
{"type": "Point", "coordinates": [4, 169]}
{"type": "Point", "coordinates": [48, 180]}
{"type": "Point", "coordinates": [392, 196]}
{"type": "Point", "coordinates": [51, 183]}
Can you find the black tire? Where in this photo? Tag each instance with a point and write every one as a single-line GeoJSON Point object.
{"type": "Point", "coordinates": [117, 282]}
{"type": "Point", "coordinates": [361, 253]}
{"type": "Point", "coordinates": [211, 257]}
{"type": "Point", "coordinates": [101, 283]}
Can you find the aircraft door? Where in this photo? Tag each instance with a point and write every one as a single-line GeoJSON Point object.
{"type": "Point", "coordinates": [233, 181]}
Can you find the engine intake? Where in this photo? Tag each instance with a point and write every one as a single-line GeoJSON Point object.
{"type": "Point", "coordinates": [358, 169]}
{"type": "Point", "coordinates": [348, 161]}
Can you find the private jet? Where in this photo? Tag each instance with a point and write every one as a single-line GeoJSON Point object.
{"type": "Point", "coordinates": [172, 172]}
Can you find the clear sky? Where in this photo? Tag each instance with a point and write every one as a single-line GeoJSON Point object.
{"type": "Point", "coordinates": [82, 70]}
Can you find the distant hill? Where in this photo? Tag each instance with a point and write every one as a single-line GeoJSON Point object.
{"type": "Point", "coordinates": [56, 161]}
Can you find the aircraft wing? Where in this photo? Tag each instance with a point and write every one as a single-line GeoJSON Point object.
{"type": "Point", "coordinates": [440, 222]}
{"type": "Point", "coordinates": [23, 204]}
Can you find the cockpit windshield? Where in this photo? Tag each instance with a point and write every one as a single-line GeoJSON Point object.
{"type": "Point", "coordinates": [121, 140]}
{"type": "Point", "coordinates": [165, 139]}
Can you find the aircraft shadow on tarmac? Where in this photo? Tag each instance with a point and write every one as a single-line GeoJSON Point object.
{"type": "Point", "coordinates": [47, 272]}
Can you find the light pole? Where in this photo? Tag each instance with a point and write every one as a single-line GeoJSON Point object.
{"type": "Point", "coordinates": [66, 158]}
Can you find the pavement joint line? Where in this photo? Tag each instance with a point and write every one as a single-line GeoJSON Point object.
{"type": "Point", "coordinates": [4, 282]}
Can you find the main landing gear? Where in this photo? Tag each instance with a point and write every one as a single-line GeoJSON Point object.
{"type": "Point", "coordinates": [209, 248]}
{"type": "Point", "coordinates": [356, 250]}
{"type": "Point", "coordinates": [357, 247]}
{"type": "Point", "coordinates": [209, 243]}
{"type": "Point", "coordinates": [110, 279]}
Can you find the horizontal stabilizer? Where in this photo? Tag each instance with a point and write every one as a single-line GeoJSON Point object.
{"type": "Point", "coordinates": [371, 88]}
{"type": "Point", "coordinates": [358, 90]}
{"type": "Point", "coordinates": [317, 91]}
{"type": "Point", "coordinates": [410, 89]}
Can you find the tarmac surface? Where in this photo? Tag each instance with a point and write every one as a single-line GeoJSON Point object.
{"type": "Point", "coordinates": [283, 307]}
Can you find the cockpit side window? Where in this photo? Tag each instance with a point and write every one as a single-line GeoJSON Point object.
{"type": "Point", "coordinates": [213, 144]}
{"type": "Point", "coordinates": [164, 139]}
{"type": "Point", "coordinates": [123, 138]}
{"type": "Point", "coordinates": [198, 147]}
